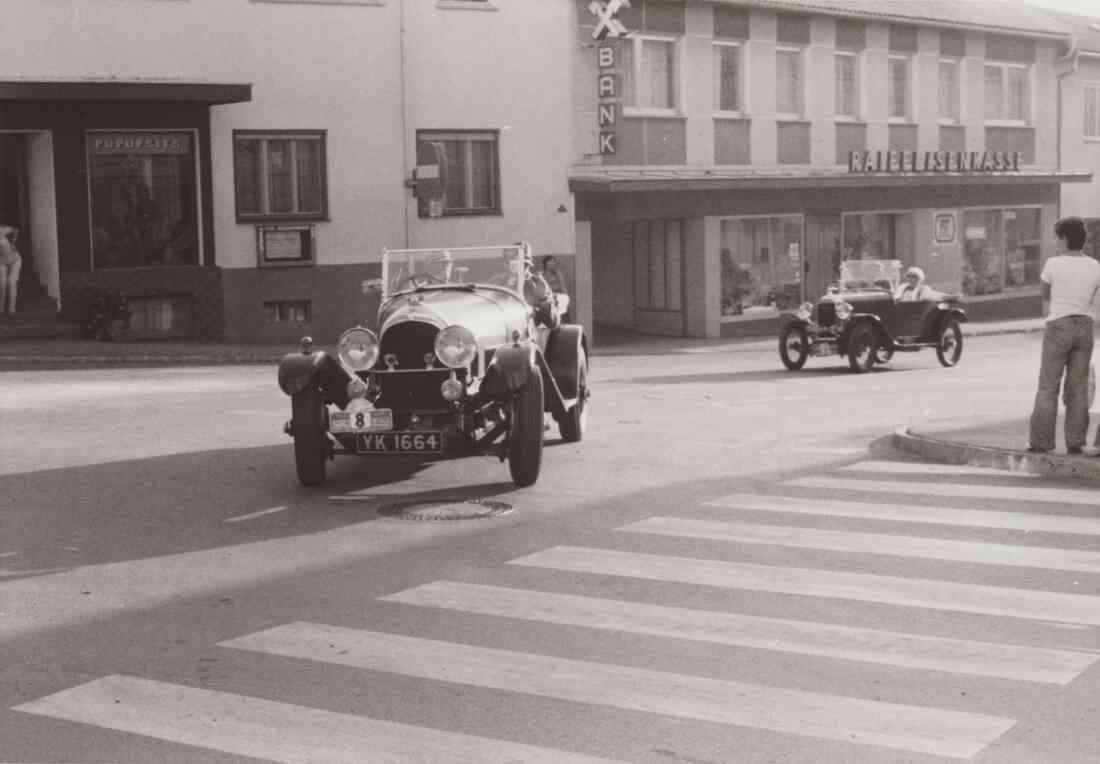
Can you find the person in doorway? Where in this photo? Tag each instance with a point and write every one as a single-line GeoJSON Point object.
{"type": "Point", "coordinates": [10, 265]}
{"type": "Point", "coordinates": [1069, 283]}
{"type": "Point", "coordinates": [558, 284]}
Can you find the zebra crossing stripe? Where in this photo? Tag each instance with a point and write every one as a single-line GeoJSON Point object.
{"type": "Point", "coordinates": [834, 717]}
{"type": "Point", "coordinates": [265, 729]}
{"type": "Point", "coordinates": [1088, 496]}
{"type": "Point", "coordinates": [1034, 604]}
{"type": "Point", "coordinates": [912, 513]}
{"type": "Point", "coordinates": [872, 543]}
{"type": "Point", "coordinates": [931, 468]}
{"type": "Point", "coordinates": [804, 637]}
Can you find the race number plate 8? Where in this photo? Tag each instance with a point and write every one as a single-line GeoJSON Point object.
{"type": "Point", "coordinates": [363, 420]}
{"type": "Point", "coordinates": [400, 443]}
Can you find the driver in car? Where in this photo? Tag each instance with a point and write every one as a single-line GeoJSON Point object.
{"type": "Point", "coordinates": [913, 288]}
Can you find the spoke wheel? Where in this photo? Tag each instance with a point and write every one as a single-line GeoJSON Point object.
{"type": "Point", "coordinates": [794, 346]}
{"type": "Point", "coordinates": [884, 355]}
{"type": "Point", "coordinates": [950, 347]}
{"type": "Point", "coordinates": [310, 428]}
{"type": "Point", "coordinates": [525, 434]}
{"type": "Point", "coordinates": [862, 346]}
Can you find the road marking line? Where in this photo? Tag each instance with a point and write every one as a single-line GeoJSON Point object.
{"type": "Point", "coordinates": [1088, 497]}
{"type": "Point", "coordinates": [833, 717]}
{"type": "Point", "coordinates": [910, 513]}
{"type": "Point", "coordinates": [259, 728]}
{"type": "Point", "coordinates": [250, 515]}
{"type": "Point", "coordinates": [1035, 604]}
{"type": "Point", "coordinates": [922, 547]}
{"type": "Point", "coordinates": [805, 637]}
{"type": "Point", "coordinates": [922, 468]}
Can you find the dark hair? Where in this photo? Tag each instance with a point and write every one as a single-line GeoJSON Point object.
{"type": "Point", "coordinates": [546, 259]}
{"type": "Point", "coordinates": [1073, 231]}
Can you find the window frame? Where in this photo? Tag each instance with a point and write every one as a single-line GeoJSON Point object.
{"type": "Point", "coordinates": [469, 136]}
{"type": "Point", "coordinates": [856, 58]}
{"type": "Point", "coordinates": [799, 115]}
{"type": "Point", "coordinates": [636, 41]}
{"type": "Point", "coordinates": [742, 79]}
{"type": "Point", "coordinates": [908, 117]}
{"type": "Point", "coordinates": [959, 96]}
{"type": "Point", "coordinates": [802, 251]}
{"type": "Point", "coordinates": [1029, 79]}
{"type": "Point", "coordinates": [1090, 87]}
{"type": "Point", "coordinates": [287, 135]}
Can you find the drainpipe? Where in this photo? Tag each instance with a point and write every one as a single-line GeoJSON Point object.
{"type": "Point", "coordinates": [1073, 58]}
{"type": "Point", "coordinates": [404, 130]}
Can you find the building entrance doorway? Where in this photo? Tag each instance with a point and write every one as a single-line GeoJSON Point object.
{"type": "Point", "coordinates": [27, 202]}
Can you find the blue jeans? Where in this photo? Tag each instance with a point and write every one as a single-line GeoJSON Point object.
{"type": "Point", "coordinates": [1067, 346]}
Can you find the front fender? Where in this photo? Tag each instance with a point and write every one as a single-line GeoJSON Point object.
{"type": "Point", "coordinates": [514, 364]}
{"type": "Point", "coordinates": [297, 371]}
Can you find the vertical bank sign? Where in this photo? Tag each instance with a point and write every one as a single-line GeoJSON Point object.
{"type": "Point", "coordinates": [608, 81]}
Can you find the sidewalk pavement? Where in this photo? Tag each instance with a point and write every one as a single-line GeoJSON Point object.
{"type": "Point", "coordinates": [28, 354]}
{"type": "Point", "coordinates": [995, 443]}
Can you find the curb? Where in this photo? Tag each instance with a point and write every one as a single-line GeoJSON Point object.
{"type": "Point", "coordinates": [953, 452]}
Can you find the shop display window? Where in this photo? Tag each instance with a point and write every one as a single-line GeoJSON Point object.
{"type": "Point", "coordinates": [143, 199]}
{"type": "Point", "coordinates": [762, 265]}
{"type": "Point", "coordinates": [1001, 250]}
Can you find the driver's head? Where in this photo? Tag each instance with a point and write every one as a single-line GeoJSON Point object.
{"type": "Point", "coordinates": [914, 275]}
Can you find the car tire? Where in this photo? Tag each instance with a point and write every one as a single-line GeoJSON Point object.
{"type": "Point", "coordinates": [862, 347]}
{"type": "Point", "coordinates": [949, 345]}
{"type": "Point", "coordinates": [884, 355]}
{"type": "Point", "coordinates": [571, 424]}
{"type": "Point", "coordinates": [310, 435]}
{"type": "Point", "coordinates": [525, 432]}
{"type": "Point", "coordinates": [794, 354]}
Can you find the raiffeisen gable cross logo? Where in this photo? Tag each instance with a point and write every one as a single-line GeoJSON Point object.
{"type": "Point", "coordinates": [606, 23]}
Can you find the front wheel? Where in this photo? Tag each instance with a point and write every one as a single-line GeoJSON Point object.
{"type": "Point", "coordinates": [310, 435]}
{"type": "Point", "coordinates": [884, 355]}
{"type": "Point", "coordinates": [950, 345]}
{"type": "Point", "coordinates": [525, 433]}
{"type": "Point", "coordinates": [572, 423]}
{"type": "Point", "coordinates": [862, 346]}
{"type": "Point", "coordinates": [794, 346]}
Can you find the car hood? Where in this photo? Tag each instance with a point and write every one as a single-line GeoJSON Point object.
{"type": "Point", "coordinates": [491, 314]}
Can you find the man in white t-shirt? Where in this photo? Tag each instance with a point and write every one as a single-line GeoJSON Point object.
{"type": "Point", "coordinates": [1070, 282]}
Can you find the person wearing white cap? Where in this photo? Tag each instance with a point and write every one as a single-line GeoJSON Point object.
{"type": "Point", "coordinates": [913, 288]}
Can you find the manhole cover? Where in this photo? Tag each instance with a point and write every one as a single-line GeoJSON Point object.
{"type": "Point", "coordinates": [470, 509]}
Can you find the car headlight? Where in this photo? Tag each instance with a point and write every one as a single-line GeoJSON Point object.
{"type": "Point", "coordinates": [358, 349]}
{"type": "Point", "coordinates": [805, 310]}
{"type": "Point", "coordinates": [456, 347]}
{"type": "Point", "coordinates": [843, 311]}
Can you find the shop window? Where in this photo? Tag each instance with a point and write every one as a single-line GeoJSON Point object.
{"type": "Point", "coordinates": [472, 174]}
{"type": "Point", "coordinates": [1091, 99]}
{"type": "Point", "coordinates": [727, 69]}
{"type": "Point", "coordinates": [143, 199]}
{"type": "Point", "coordinates": [788, 82]}
{"type": "Point", "coordinates": [287, 311]}
{"type": "Point", "coordinates": [161, 317]}
{"type": "Point", "coordinates": [949, 97]}
{"type": "Point", "coordinates": [899, 87]}
{"type": "Point", "coordinates": [1007, 92]}
{"type": "Point", "coordinates": [1001, 250]}
{"type": "Point", "coordinates": [762, 265]}
{"type": "Point", "coordinates": [280, 176]}
{"type": "Point", "coordinates": [657, 246]}
{"type": "Point", "coordinates": [651, 74]}
{"type": "Point", "coordinates": [847, 85]}
{"type": "Point", "coordinates": [872, 236]}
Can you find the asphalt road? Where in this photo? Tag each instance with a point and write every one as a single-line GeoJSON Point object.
{"type": "Point", "coordinates": [728, 568]}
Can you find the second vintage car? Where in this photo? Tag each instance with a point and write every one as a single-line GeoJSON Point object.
{"type": "Point", "coordinates": [469, 356]}
{"type": "Point", "coordinates": [861, 319]}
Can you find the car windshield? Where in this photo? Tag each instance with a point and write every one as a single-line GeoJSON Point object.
{"type": "Point", "coordinates": [404, 270]}
{"type": "Point", "coordinates": [870, 274]}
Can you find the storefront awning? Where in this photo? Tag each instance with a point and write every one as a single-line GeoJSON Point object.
{"type": "Point", "coordinates": [124, 90]}
{"type": "Point", "coordinates": [612, 180]}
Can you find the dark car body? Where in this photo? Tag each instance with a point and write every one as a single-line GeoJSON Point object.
{"type": "Point", "coordinates": [861, 319]}
{"type": "Point", "coordinates": [457, 367]}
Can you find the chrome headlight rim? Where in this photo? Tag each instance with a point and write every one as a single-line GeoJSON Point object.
{"type": "Point", "coordinates": [362, 339]}
{"type": "Point", "coordinates": [455, 346]}
{"type": "Point", "coordinates": [844, 310]}
{"type": "Point", "coordinates": [805, 311]}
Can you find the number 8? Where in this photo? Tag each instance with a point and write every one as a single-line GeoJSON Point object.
{"type": "Point", "coordinates": [359, 420]}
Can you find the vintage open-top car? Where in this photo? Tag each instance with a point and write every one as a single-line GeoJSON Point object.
{"type": "Point", "coordinates": [861, 318]}
{"type": "Point", "coordinates": [469, 356]}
